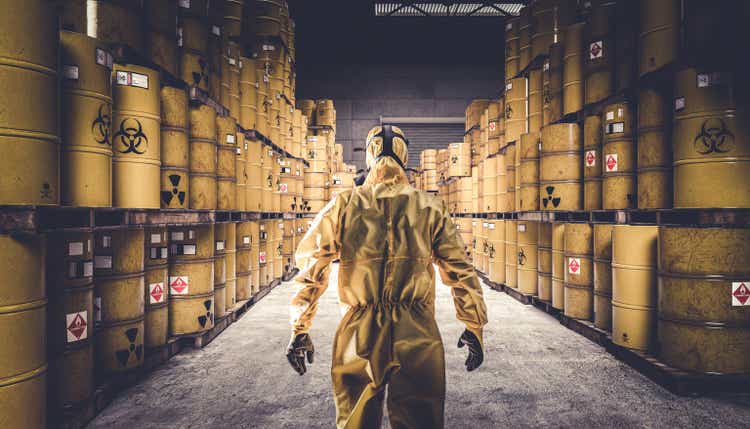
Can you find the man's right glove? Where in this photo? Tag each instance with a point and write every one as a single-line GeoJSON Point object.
{"type": "Point", "coordinates": [476, 355]}
{"type": "Point", "coordinates": [300, 346]}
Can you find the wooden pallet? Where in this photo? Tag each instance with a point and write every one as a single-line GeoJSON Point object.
{"type": "Point", "coordinates": [545, 306]}
{"type": "Point", "coordinates": [585, 328]}
{"type": "Point", "coordinates": [519, 296]}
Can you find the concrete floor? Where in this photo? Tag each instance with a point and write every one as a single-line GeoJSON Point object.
{"type": "Point", "coordinates": [536, 373]}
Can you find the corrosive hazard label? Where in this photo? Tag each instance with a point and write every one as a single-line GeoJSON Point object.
{"type": "Point", "coordinates": [611, 162]}
{"type": "Point", "coordinates": [590, 158]}
{"type": "Point", "coordinates": [77, 324]}
{"type": "Point", "coordinates": [156, 293]}
{"type": "Point", "coordinates": [262, 257]}
{"type": "Point", "coordinates": [492, 125]}
{"type": "Point", "coordinates": [179, 285]}
{"type": "Point", "coordinates": [574, 265]}
{"type": "Point", "coordinates": [740, 294]}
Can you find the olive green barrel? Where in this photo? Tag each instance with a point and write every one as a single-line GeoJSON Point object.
{"type": "Point", "coordinates": [511, 253]}
{"type": "Point", "coordinates": [220, 269]}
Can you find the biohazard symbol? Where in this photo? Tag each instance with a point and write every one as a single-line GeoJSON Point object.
{"type": "Point", "coordinates": [454, 159]}
{"type": "Point", "coordinates": [492, 250]}
{"type": "Point", "coordinates": [484, 247]}
{"type": "Point", "coordinates": [311, 154]}
{"type": "Point", "coordinates": [269, 181]}
{"type": "Point", "coordinates": [278, 120]}
{"type": "Point", "coordinates": [46, 191]}
{"type": "Point", "coordinates": [521, 258]}
{"type": "Point", "coordinates": [123, 356]}
{"type": "Point", "coordinates": [208, 317]}
{"type": "Point", "coordinates": [100, 126]}
{"type": "Point", "coordinates": [132, 137]}
{"type": "Point", "coordinates": [714, 137]}
{"type": "Point", "coordinates": [167, 196]}
{"type": "Point", "coordinates": [279, 250]}
{"type": "Point", "coordinates": [508, 111]}
{"type": "Point", "coordinates": [550, 198]}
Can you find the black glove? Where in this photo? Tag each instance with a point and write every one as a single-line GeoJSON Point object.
{"type": "Point", "coordinates": [295, 353]}
{"type": "Point", "coordinates": [476, 355]}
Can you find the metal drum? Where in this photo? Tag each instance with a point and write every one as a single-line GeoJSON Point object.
{"type": "Point", "coordinates": [626, 46]}
{"type": "Point", "coordinates": [194, 8]}
{"type": "Point", "coordinates": [230, 85]}
{"type": "Point", "coordinates": [496, 251]}
{"type": "Point", "coordinates": [511, 254]}
{"type": "Point", "coordinates": [254, 172]}
{"type": "Point", "coordinates": [174, 148]}
{"type": "Point", "coordinates": [278, 257]}
{"type": "Point", "coordinates": [515, 109]}
{"type": "Point", "coordinates": [23, 323]}
{"type": "Point", "coordinates": [284, 185]}
{"type": "Point", "coordinates": [489, 185]}
{"type": "Point", "coordinates": [592, 162]}
{"type": "Point", "coordinates": [618, 157]}
{"type": "Point", "coordinates": [248, 93]}
{"type": "Point", "coordinates": [192, 39]}
{"type": "Point", "coordinates": [603, 276]}
{"type": "Point", "coordinates": [230, 254]}
{"type": "Point", "coordinates": [156, 321]}
{"type": "Point", "coordinates": [509, 152]}
{"type": "Point", "coordinates": [544, 261]}
{"type": "Point", "coordinates": [634, 286]}
{"type": "Point", "coordinates": [70, 285]}
{"type": "Point", "coordinates": [266, 253]}
{"type": "Point", "coordinates": [86, 113]}
{"type": "Point", "coordinates": [203, 158]}
{"type": "Point", "coordinates": [599, 52]}
{"type": "Point", "coordinates": [560, 168]}
{"type": "Point", "coordinates": [660, 34]}
{"type": "Point", "coordinates": [543, 24]}
{"type": "Point", "coordinates": [654, 151]}
{"type": "Point", "coordinates": [191, 279]}
{"type": "Point", "coordinates": [573, 69]}
{"type": "Point", "coordinates": [257, 232]}
{"type": "Point", "coordinates": [241, 173]}
{"type": "Point", "coordinates": [136, 137]}
{"type": "Point", "coordinates": [524, 37]}
{"type": "Point", "coordinates": [247, 234]}
{"type": "Point", "coordinates": [535, 101]}
{"type": "Point", "coordinates": [115, 21]}
{"type": "Point", "coordinates": [579, 271]}
{"type": "Point", "coordinates": [268, 17]}
{"type": "Point", "coordinates": [527, 257]}
{"type": "Point", "coordinates": [528, 173]}
{"type": "Point", "coordinates": [226, 166]}
{"type": "Point", "coordinates": [220, 269]}
{"type": "Point", "coordinates": [287, 246]}
{"type": "Point", "coordinates": [29, 130]}
{"type": "Point", "coordinates": [710, 142]}
{"type": "Point", "coordinates": [512, 48]}
{"type": "Point", "coordinates": [233, 18]}
{"type": "Point", "coordinates": [558, 266]}
{"type": "Point", "coordinates": [703, 322]}
{"type": "Point", "coordinates": [119, 299]}
{"type": "Point", "coordinates": [161, 44]}
{"type": "Point", "coordinates": [263, 108]}
{"type": "Point", "coordinates": [501, 179]}
{"type": "Point", "coordinates": [552, 109]}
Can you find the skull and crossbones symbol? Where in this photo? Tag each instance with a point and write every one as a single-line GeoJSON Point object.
{"type": "Point", "coordinates": [131, 136]}
{"type": "Point", "coordinates": [714, 137]}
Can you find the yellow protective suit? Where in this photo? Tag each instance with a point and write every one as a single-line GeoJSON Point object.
{"type": "Point", "coordinates": [387, 235]}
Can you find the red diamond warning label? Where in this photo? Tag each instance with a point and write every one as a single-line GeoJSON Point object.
{"type": "Point", "coordinates": [179, 285]}
{"type": "Point", "coordinates": [492, 125]}
{"type": "Point", "coordinates": [596, 50]}
{"type": "Point", "coordinates": [262, 257]}
{"type": "Point", "coordinates": [156, 293]}
{"type": "Point", "coordinates": [283, 187]}
{"type": "Point", "coordinates": [574, 265]}
{"type": "Point", "coordinates": [740, 294]}
{"type": "Point", "coordinates": [611, 162]}
{"type": "Point", "coordinates": [77, 326]}
{"type": "Point", "coordinates": [590, 158]}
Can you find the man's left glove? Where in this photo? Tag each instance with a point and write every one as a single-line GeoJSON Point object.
{"type": "Point", "coordinates": [300, 346]}
{"type": "Point", "coordinates": [476, 355]}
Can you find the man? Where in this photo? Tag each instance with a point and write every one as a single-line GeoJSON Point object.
{"type": "Point", "coordinates": [387, 236]}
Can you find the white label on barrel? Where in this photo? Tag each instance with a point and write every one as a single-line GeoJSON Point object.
{"type": "Point", "coordinates": [596, 50]}
{"type": "Point", "coordinates": [246, 239]}
{"type": "Point", "coordinates": [164, 253]}
{"type": "Point", "coordinates": [106, 241]}
{"type": "Point", "coordinates": [88, 269]}
{"type": "Point", "coordinates": [70, 72]}
{"type": "Point", "coordinates": [77, 326]}
{"type": "Point", "coordinates": [155, 293]}
{"type": "Point", "coordinates": [216, 30]}
{"type": "Point", "coordinates": [590, 158]}
{"type": "Point", "coordinates": [283, 188]}
{"type": "Point", "coordinates": [155, 238]}
{"type": "Point", "coordinates": [269, 47]}
{"type": "Point", "coordinates": [154, 253]}
{"type": "Point", "coordinates": [574, 266]}
{"type": "Point", "coordinates": [188, 249]}
{"type": "Point", "coordinates": [679, 103]}
{"type": "Point", "coordinates": [262, 257]}
{"type": "Point", "coordinates": [139, 80]}
{"type": "Point", "coordinates": [191, 234]}
{"type": "Point", "coordinates": [179, 285]}
{"type": "Point", "coordinates": [740, 294]}
{"type": "Point", "coordinates": [509, 86]}
{"type": "Point", "coordinates": [178, 236]}
{"type": "Point", "coordinates": [703, 80]}
{"type": "Point", "coordinates": [239, 151]}
{"type": "Point", "coordinates": [232, 61]}
{"type": "Point", "coordinates": [122, 78]}
{"type": "Point", "coordinates": [101, 57]}
{"type": "Point", "coordinates": [546, 66]}
{"type": "Point", "coordinates": [98, 309]}
{"type": "Point", "coordinates": [610, 115]}
{"type": "Point", "coordinates": [265, 79]}
{"type": "Point", "coordinates": [185, 4]}
{"type": "Point", "coordinates": [104, 262]}
{"type": "Point", "coordinates": [281, 225]}
{"type": "Point", "coordinates": [220, 245]}
{"type": "Point", "coordinates": [521, 227]}
{"type": "Point", "coordinates": [231, 139]}
{"type": "Point", "coordinates": [611, 162]}
{"type": "Point", "coordinates": [75, 248]}
{"type": "Point", "coordinates": [491, 225]}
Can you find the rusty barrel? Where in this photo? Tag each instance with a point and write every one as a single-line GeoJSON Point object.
{"type": "Point", "coordinates": [543, 20]}
{"type": "Point", "coordinates": [634, 289]}
{"type": "Point", "coordinates": [572, 89]}
{"type": "Point", "coordinates": [703, 322]}
{"type": "Point", "coordinates": [115, 21]}
{"type": "Point", "coordinates": [544, 261]}
{"type": "Point", "coordinates": [654, 151]}
{"type": "Point", "coordinates": [175, 148]}
{"type": "Point", "coordinates": [226, 165]}
{"type": "Point", "coordinates": [592, 162]}
{"type": "Point", "coordinates": [119, 306]}
{"type": "Point", "coordinates": [161, 36]}
{"type": "Point", "coordinates": [599, 51]}
{"type": "Point", "coordinates": [515, 109]}
{"type": "Point", "coordinates": [603, 276]}
{"type": "Point", "coordinates": [248, 93]}
{"type": "Point", "coordinates": [560, 168]}
{"type": "Point", "coordinates": [558, 265]}
{"type": "Point", "coordinates": [527, 257]}
{"type": "Point", "coordinates": [618, 157]}
{"type": "Point", "coordinates": [528, 173]}
{"type": "Point", "coordinates": [659, 41]}
{"type": "Point", "coordinates": [511, 253]}
{"type": "Point", "coordinates": [203, 158]}
{"type": "Point", "coordinates": [579, 275]}
{"type": "Point", "coordinates": [156, 318]}
{"type": "Point", "coordinates": [524, 37]}
{"type": "Point", "coordinates": [191, 279]}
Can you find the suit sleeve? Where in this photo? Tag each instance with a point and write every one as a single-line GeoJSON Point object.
{"type": "Point", "coordinates": [316, 251]}
{"type": "Point", "coordinates": [458, 273]}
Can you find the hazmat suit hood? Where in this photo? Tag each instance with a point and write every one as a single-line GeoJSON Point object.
{"type": "Point", "coordinates": [385, 169]}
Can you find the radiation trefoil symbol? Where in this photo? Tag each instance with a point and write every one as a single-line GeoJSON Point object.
{"type": "Point", "coordinates": [550, 199]}
{"type": "Point", "coordinates": [521, 257]}
{"type": "Point", "coordinates": [167, 196]}
{"type": "Point", "coordinates": [100, 126]}
{"type": "Point", "coordinates": [208, 317]}
{"type": "Point", "coordinates": [132, 136]}
{"type": "Point", "coordinates": [123, 356]}
{"type": "Point", "coordinates": [714, 137]}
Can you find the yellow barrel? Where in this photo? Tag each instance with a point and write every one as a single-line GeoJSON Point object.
{"type": "Point", "coordinates": [599, 52]}
{"type": "Point", "coordinates": [193, 8]}
{"type": "Point", "coordinates": [558, 266]}
{"type": "Point", "coordinates": [704, 325]}
{"type": "Point", "coordinates": [226, 166]}
{"type": "Point", "coordinates": [592, 162]}
{"type": "Point", "coordinates": [509, 152]}
{"type": "Point", "coordinates": [263, 108]}
{"type": "Point", "coordinates": [258, 232]}
{"type": "Point", "coordinates": [116, 21]}
{"type": "Point", "coordinates": [535, 101]}
{"type": "Point", "coordinates": [325, 113]}
{"type": "Point", "coordinates": [626, 46]}
{"type": "Point", "coordinates": [573, 69]}
{"type": "Point", "coordinates": [136, 137]}
{"type": "Point", "coordinates": [552, 85]}
{"type": "Point", "coordinates": [543, 18]}
{"type": "Point", "coordinates": [231, 83]}
{"type": "Point", "coordinates": [659, 41]}
{"type": "Point", "coordinates": [634, 286]}
{"type": "Point", "coordinates": [266, 255]}
{"type": "Point", "coordinates": [175, 148]}
{"type": "Point", "coordinates": [23, 323]}
{"type": "Point", "coordinates": [544, 261]}
{"type": "Point", "coordinates": [278, 259]}
{"type": "Point", "coordinates": [618, 157]}
{"type": "Point", "coordinates": [489, 189]}
{"type": "Point", "coordinates": [241, 172]}
{"type": "Point", "coordinates": [119, 299]}
{"type": "Point", "coordinates": [515, 109]}
{"type": "Point", "coordinates": [192, 39]}
{"type": "Point", "coordinates": [654, 151]}
{"type": "Point", "coordinates": [248, 93]}
{"type": "Point", "coordinates": [29, 130]}
{"type": "Point", "coordinates": [524, 37]}
{"type": "Point", "coordinates": [220, 269]}
{"type": "Point", "coordinates": [495, 124]}
{"type": "Point", "coordinates": [528, 234]}
{"type": "Point", "coordinates": [161, 42]}
{"type": "Point", "coordinates": [156, 320]}
{"type": "Point", "coordinates": [501, 179]}
{"type": "Point", "coordinates": [248, 236]}
{"type": "Point", "coordinates": [511, 254]}
{"type": "Point", "coordinates": [232, 18]}
{"type": "Point", "coordinates": [254, 174]}
{"type": "Point", "coordinates": [463, 224]}
{"type": "Point", "coordinates": [285, 187]}
{"type": "Point", "coordinates": [287, 246]}
{"type": "Point", "coordinates": [86, 158]}
{"type": "Point", "coordinates": [496, 251]}
{"type": "Point", "coordinates": [203, 158]}
{"type": "Point", "coordinates": [191, 279]}
{"type": "Point", "coordinates": [603, 276]}
{"type": "Point", "coordinates": [560, 168]}
{"type": "Point", "coordinates": [579, 275]}
{"type": "Point", "coordinates": [70, 285]}
{"type": "Point", "coordinates": [230, 254]}
{"type": "Point", "coordinates": [512, 48]}
{"type": "Point", "coordinates": [528, 188]}
{"type": "Point", "coordinates": [710, 141]}
{"type": "Point", "coordinates": [485, 261]}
